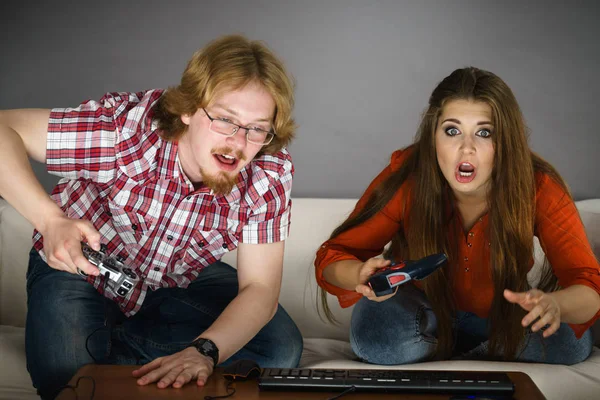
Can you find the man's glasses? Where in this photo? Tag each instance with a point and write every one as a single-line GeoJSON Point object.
{"type": "Point", "coordinates": [226, 128]}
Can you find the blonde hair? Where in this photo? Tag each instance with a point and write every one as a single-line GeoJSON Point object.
{"type": "Point", "coordinates": [229, 63]}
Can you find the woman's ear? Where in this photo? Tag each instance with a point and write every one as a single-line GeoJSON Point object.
{"type": "Point", "coordinates": [185, 118]}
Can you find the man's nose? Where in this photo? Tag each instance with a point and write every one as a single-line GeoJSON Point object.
{"type": "Point", "coordinates": [239, 138]}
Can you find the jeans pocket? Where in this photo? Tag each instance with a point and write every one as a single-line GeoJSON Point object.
{"type": "Point", "coordinates": [36, 267]}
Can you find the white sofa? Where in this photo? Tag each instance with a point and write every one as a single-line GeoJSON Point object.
{"type": "Point", "coordinates": [326, 345]}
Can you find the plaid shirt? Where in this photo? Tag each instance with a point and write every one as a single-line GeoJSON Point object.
{"type": "Point", "coordinates": [121, 176]}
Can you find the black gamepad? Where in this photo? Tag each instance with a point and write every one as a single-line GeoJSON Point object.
{"type": "Point", "coordinates": [384, 280]}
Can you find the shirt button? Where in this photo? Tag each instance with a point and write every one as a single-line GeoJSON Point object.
{"type": "Point", "coordinates": [467, 269]}
{"type": "Point", "coordinates": [201, 244]}
{"type": "Point", "coordinates": [469, 244]}
{"type": "Point", "coordinates": [109, 213]}
{"type": "Point", "coordinates": [134, 227]}
{"type": "Point", "coordinates": [224, 245]}
{"type": "Point", "coordinates": [170, 237]}
{"type": "Point", "coordinates": [466, 258]}
{"type": "Point", "coordinates": [471, 234]}
{"type": "Point", "coordinates": [157, 269]}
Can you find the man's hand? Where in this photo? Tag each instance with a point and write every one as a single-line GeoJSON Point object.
{"type": "Point", "coordinates": [176, 369]}
{"type": "Point", "coordinates": [62, 243]}
{"type": "Point", "coordinates": [369, 267]}
{"type": "Point", "coordinates": [539, 304]}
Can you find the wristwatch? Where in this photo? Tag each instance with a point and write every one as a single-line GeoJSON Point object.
{"type": "Point", "coordinates": [208, 348]}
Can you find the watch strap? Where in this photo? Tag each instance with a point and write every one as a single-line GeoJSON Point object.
{"type": "Point", "coordinates": [207, 348]}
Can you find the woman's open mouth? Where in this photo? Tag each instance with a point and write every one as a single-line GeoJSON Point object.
{"type": "Point", "coordinates": [465, 172]}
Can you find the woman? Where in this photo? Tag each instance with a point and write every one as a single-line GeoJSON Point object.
{"type": "Point", "coordinates": [469, 187]}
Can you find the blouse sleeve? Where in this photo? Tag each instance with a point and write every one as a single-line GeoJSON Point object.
{"type": "Point", "coordinates": [564, 241]}
{"type": "Point", "coordinates": [366, 240]}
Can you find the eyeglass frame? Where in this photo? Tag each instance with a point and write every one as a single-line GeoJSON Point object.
{"type": "Point", "coordinates": [237, 128]}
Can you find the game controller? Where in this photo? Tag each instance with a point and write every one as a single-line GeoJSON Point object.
{"type": "Point", "coordinates": [121, 278]}
{"type": "Point", "coordinates": [384, 280]}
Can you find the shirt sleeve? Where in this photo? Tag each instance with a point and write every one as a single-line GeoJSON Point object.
{"type": "Point", "coordinates": [366, 240]}
{"type": "Point", "coordinates": [564, 241]}
{"type": "Point", "coordinates": [81, 141]}
{"type": "Point", "coordinates": [269, 223]}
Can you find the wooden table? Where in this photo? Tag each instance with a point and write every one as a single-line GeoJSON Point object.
{"type": "Point", "coordinates": [116, 382]}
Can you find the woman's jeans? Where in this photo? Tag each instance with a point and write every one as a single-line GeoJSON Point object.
{"type": "Point", "coordinates": [66, 315]}
{"type": "Point", "coordinates": [402, 330]}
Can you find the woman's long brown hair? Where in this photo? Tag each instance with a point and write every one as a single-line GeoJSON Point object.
{"type": "Point", "coordinates": [511, 205]}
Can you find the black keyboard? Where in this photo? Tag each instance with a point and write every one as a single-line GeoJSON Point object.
{"type": "Point", "coordinates": [385, 380]}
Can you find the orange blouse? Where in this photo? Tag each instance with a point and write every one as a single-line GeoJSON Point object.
{"type": "Point", "coordinates": [557, 225]}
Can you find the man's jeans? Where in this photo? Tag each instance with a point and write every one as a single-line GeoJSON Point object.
{"type": "Point", "coordinates": [65, 312]}
{"type": "Point", "coordinates": [402, 330]}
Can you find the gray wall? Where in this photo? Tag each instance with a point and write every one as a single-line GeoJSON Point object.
{"type": "Point", "coordinates": [364, 69]}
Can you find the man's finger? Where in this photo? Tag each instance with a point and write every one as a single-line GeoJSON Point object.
{"type": "Point", "coordinates": [183, 378]}
{"type": "Point", "coordinates": [202, 378]}
{"type": "Point", "coordinates": [90, 234]}
{"type": "Point", "coordinates": [169, 376]}
{"type": "Point", "coordinates": [79, 261]}
{"type": "Point", "coordinates": [60, 259]}
{"type": "Point", "coordinates": [144, 369]}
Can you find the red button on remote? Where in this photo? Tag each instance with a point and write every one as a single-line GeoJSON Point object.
{"type": "Point", "coordinates": [396, 279]}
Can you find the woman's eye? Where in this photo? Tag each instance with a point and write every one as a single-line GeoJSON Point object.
{"type": "Point", "coordinates": [224, 119]}
{"type": "Point", "coordinates": [485, 133]}
{"type": "Point", "coordinates": [452, 131]}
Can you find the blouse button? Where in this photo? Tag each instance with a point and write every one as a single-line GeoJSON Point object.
{"type": "Point", "coordinates": [471, 234]}
{"type": "Point", "coordinates": [134, 227]}
{"type": "Point", "coordinates": [201, 244]}
{"type": "Point", "coordinates": [466, 258]}
{"type": "Point", "coordinates": [224, 245]}
{"type": "Point", "coordinates": [170, 237]}
{"type": "Point", "coordinates": [469, 244]}
{"type": "Point", "coordinates": [157, 269]}
{"type": "Point", "coordinates": [467, 269]}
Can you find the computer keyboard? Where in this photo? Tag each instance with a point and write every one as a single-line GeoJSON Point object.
{"type": "Point", "coordinates": [385, 380]}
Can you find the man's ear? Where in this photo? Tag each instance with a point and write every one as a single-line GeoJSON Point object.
{"type": "Point", "coordinates": [185, 118]}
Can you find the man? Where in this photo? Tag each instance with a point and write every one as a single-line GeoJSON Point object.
{"type": "Point", "coordinates": [167, 182]}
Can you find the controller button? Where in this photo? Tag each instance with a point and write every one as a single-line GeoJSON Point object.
{"type": "Point", "coordinates": [396, 279]}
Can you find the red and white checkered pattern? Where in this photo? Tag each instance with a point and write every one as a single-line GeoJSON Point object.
{"type": "Point", "coordinates": [119, 174]}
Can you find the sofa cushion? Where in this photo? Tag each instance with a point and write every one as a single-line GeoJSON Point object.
{"type": "Point", "coordinates": [15, 383]}
{"type": "Point", "coordinates": [15, 243]}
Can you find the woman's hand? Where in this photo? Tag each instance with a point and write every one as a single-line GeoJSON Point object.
{"type": "Point", "coordinates": [368, 268]}
{"type": "Point", "coordinates": [539, 304]}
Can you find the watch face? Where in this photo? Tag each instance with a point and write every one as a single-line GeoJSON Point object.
{"type": "Point", "coordinates": [207, 346]}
